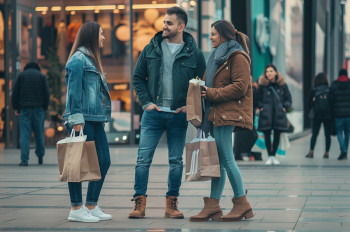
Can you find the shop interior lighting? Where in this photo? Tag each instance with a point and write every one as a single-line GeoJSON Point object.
{"type": "Point", "coordinates": [100, 7]}
{"type": "Point", "coordinates": [121, 7]}
{"type": "Point", "coordinates": [42, 8]}
{"type": "Point", "coordinates": [72, 12]}
{"type": "Point", "coordinates": [116, 11]}
{"type": "Point", "coordinates": [56, 8]}
{"type": "Point", "coordinates": [193, 3]}
{"type": "Point", "coordinates": [153, 6]}
{"type": "Point", "coordinates": [44, 12]}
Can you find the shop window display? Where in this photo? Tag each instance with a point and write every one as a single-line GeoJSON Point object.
{"type": "Point", "coordinates": [116, 53]}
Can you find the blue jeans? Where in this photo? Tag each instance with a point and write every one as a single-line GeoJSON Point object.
{"type": "Point", "coordinates": [153, 125]}
{"type": "Point", "coordinates": [342, 125]}
{"type": "Point", "coordinates": [95, 132]}
{"type": "Point", "coordinates": [223, 138]}
{"type": "Point", "coordinates": [31, 119]}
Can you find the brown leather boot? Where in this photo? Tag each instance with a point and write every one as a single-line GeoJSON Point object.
{"type": "Point", "coordinates": [211, 210]}
{"type": "Point", "coordinates": [139, 208]}
{"type": "Point", "coordinates": [171, 210]}
{"type": "Point", "coordinates": [241, 209]}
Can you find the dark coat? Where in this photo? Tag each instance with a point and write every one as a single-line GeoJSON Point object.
{"type": "Point", "coordinates": [272, 115]}
{"type": "Point", "coordinates": [232, 95]}
{"type": "Point", "coordinates": [188, 64]}
{"type": "Point", "coordinates": [340, 98]}
{"type": "Point", "coordinates": [31, 90]}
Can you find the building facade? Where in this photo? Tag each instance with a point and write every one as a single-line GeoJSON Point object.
{"type": "Point", "coordinates": [300, 37]}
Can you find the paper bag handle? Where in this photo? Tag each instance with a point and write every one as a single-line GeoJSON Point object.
{"type": "Point", "coordinates": [72, 133]}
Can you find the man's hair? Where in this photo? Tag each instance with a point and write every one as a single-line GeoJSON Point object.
{"type": "Point", "coordinates": [180, 14]}
{"type": "Point", "coordinates": [32, 65]}
{"type": "Point", "coordinates": [343, 72]}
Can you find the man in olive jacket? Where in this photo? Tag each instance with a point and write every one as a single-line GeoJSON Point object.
{"type": "Point", "coordinates": [161, 81]}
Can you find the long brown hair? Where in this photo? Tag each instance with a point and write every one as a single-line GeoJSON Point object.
{"type": "Point", "coordinates": [321, 79]}
{"type": "Point", "coordinates": [88, 37]}
{"type": "Point", "coordinates": [228, 31]}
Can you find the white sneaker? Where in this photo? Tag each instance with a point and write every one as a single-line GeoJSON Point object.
{"type": "Point", "coordinates": [81, 215]}
{"type": "Point", "coordinates": [97, 212]}
{"type": "Point", "coordinates": [269, 161]}
{"type": "Point", "coordinates": [275, 161]}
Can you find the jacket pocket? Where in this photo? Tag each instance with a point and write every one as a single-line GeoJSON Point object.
{"type": "Point", "coordinates": [232, 116]}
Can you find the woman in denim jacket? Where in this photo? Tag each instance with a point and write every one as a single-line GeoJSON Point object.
{"type": "Point", "coordinates": [88, 107]}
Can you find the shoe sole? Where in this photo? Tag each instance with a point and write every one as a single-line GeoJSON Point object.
{"type": "Point", "coordinates": [247, 215]}
{"type": "Point", "coordinates": [105, 219]}
{"type": "Point", "coordinates": [173, 217]}
{"type": "Point", "coordinates": [71, 219]}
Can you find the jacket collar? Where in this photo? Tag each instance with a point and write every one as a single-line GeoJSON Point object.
{"type": "Point", "coordinates": [84, 50]}
{"type": "Point", "coordinates": [190, 43]}
{"type": "Point", "coordinates": [343, 78]}
{"type": "Point", "coordinates": [263, 81]}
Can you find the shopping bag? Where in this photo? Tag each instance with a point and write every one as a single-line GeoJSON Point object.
{"type": "Point", "coordinates": [202, 160]}
{"type": "Point", "coordinates": [284, 142]}
{"type": "Point", "coordinates": [194, 102]}
{"type": "Point", "coordinates": [77, 159]}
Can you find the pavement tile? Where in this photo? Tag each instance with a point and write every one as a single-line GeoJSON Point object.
{"type": "Point", "coordinates": [299, 195]}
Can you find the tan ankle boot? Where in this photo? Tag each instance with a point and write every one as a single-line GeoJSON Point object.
{"type": "Point", "coordinates": [139, 207]}
{"type": "Point", "coordinates": [241, 209]}
{"type": "Point", "coordinates": [171, 210]}
{"type": "Point", "coordinates": [211, 210]}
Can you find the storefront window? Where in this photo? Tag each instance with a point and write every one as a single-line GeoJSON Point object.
{"type": "Point", "coordinates": [294, 58]}
{"type": "Point", "coordinates": [47, 30]}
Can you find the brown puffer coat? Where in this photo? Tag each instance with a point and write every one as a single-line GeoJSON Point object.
{"type": "Point", "coordinates": [232, 95]}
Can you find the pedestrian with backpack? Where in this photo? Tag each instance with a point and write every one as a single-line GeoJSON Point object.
{"type": "Point", "coordinates": [320, 113]}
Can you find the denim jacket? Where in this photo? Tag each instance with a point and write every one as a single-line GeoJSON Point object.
{"type": "Point", "coordinates": [87, 97]}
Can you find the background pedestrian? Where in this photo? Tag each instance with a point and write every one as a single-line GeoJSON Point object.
{"type": "Point", "coordinates": [274, 99]}
{"type": "Point", "coordinates": [320, 113]}
{"type": "Point", "coordinates": [30, 100]}
{"type": "Point", "coordinates": [340, 103]}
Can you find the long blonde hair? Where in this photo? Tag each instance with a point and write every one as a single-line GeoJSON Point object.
{"type": "Point", "coordinates": [88, 37]}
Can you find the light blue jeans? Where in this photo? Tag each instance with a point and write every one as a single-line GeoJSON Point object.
{"type": "Point", "coordinates": [153, 125]}
{"type": "Point", "coordinates": [223, 138]}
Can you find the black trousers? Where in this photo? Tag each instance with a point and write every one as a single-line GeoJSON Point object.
{"type": "Point", "coordinates": [316, 125]}
{"type": "Point", "coordinates": [276, 141]}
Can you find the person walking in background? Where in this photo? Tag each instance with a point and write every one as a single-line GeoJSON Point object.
{"type": "Point", "coordinates": [320, 113]}
{"type": "Point", "coordinates": [228, 92]}
{"type": "Point", "coordinates": [340, 103]}
{"type": "Point", "coordinates": [30, 100]}
{"type": "Point", "coordinates": [161, 80]}
{"type": "Point", "coordinates": [273, 100]}
{"type": "Point", "coordinates": [88, 107]}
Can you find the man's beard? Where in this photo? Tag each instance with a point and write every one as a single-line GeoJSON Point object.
{"type": "Point", "coordinates": [171, 34]}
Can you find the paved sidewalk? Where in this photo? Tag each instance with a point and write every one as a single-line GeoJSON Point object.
{"type": "Point", "coordinates": [298, 195]}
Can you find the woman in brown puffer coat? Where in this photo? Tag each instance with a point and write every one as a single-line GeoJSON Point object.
{"type": "Point", "coordinates": [229, 107]}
